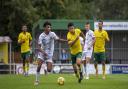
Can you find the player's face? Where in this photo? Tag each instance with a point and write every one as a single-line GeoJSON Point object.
{"type": "Point", "coordinates": [100, 24]}
{"type": "Point", "coordinates": [71, 29]}
{"type": "Point", "coordinates": [48, 28]}
{"type": "Point", "coordinates": [24, 28]}
{"type": "Point", "coordinates": [87, 26]}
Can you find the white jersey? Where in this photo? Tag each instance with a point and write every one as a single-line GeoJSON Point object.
{"type": "Point", "coordinates": [47, 42]}
{"type": "Point", "coordinates": [81, 41]}
{"type": "Point", "coordinates": [89, 40]}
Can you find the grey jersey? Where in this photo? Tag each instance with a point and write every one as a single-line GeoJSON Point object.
{"type": "Point", "coordinates": [47, 42]}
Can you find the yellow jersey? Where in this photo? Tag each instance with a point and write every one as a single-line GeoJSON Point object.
{"type": "Point", "coordinates": [25, 37]}
{"type": "Point", "coordinates": [101, 37]}
{"type": "Point", "coordinates": [76, 48]}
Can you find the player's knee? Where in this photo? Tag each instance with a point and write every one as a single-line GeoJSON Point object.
{"type": "Point", "coordinates": [78, 62]}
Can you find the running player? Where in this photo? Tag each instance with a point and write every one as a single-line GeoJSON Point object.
{"type": "Point", "coordinates": [46, 48]}
{"type": "Point", "coordinates": [99, 47]}
{"type": "Point", "coordinates": [75, 49]}
{"type": "Point", "coordinates": [88, 48]}
{"type": "Point", "coordinates": [24, 40]}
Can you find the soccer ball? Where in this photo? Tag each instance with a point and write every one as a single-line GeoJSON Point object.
{"type": "Point", "coordinates": [60, 81]}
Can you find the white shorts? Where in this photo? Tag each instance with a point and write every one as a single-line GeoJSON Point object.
{"type": "Point", "coordinates": [86, 54]}
{"type": "Point", "coordinates": [47, 58]}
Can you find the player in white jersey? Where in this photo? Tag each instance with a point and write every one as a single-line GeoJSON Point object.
{"type": "Point", "coordinates": [88, 48]}
{"type": "Point", "coordinates": [46, 48]}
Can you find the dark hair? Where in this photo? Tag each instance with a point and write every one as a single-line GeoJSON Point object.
{"type": "Point", "coordinates": [100, 21]}
{"type": "Point", "coordinates": [24, 24]}
{"type": "Point", "coordinates": [46, 23]}
{"type": "Point", "coordinates": [87, 23]}
{"type": "Point", "coordinates": [70, 24]}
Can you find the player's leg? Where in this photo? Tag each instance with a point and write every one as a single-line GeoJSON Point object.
{"type": "Point", "coordinates": [49, 63]}
{"type": "Point", "coordinates": [73, 58]}
{"type": "Point", "coordinates": [27, 61]}
{"type": "Point", "coordinates": [96, 58]}
{"type": "Point", "coordinates": [84, 63]}
{"type": "Point", "coordinates": [49, 67]}
{"type": "Point", "coordinates": [88, 58]}
{"type": "Point", "coordinates": [79, 65]}
{"type": "Point", "coordinates": [39, 64]}
{"type": "Point", "coordinates": [23, 62]}
{"type": "Point", "coordinates": [102, 55]}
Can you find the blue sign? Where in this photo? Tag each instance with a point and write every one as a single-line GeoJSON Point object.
{"type": "Point", "coordinates": [119, 69]}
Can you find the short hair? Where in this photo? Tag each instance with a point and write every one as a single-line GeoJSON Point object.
{"type": "Point", "coordinates": [70, 24]}
{"type": "Point", "coordinates": [46, 23]}
{"type": "Point", "coordinates": [100, 21]}
{"type": "Point", "coordinates": [87, 23]}
{"type": "Point", "coordinates": [24, 24]}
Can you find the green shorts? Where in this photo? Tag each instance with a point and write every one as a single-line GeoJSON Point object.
{"type": "Point", "coordinates": [25, 55]}
{"type": "Point", "coordinates": [74, 57]}
{"type": "Point", "coordinates": [99, 57]}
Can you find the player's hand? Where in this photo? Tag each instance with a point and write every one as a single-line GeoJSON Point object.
{"type": "Point", "coordinates": [77, 37]}
{"type": "Point", "coordinates": [89, 48]}
{"type": "Point", "coordinates": [22, 41]}
{"type": "Point", "coordinates": [45, 54]}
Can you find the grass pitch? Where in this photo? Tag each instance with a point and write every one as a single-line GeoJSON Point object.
{"type": "Point", "coordinates": [50, 82]}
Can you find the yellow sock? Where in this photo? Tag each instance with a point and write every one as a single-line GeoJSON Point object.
{"type": "Point", "coordinates": [26, 67]}
{"type": "Point", "coordinates": [96, 68]}
{"type": "Point", "coordinates": [104, 69]}
{"type": "Point", "coordinates": [23, 68]}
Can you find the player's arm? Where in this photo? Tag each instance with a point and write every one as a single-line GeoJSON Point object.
{"type": "Point", "coordinates": [62, 40]}
{"type": "Point", "coordinates": [41, 50]}
{"type": "Point", "coordinates": [58, 39]}
{"type": "Point", "coordinates": [107, 38]}
{"type": "Point", "coordinates": [93, 40]}
{"type": "Point", "coordinates": [20, 41]}
{"type": "Point", "coordinates": [71, 43]}
{"type": "Point", "coordinates": [30, 39]}
{"type": "Point", "coordinates": [82, 35]}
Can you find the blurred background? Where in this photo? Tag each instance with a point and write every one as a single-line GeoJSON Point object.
{"type": "Point", "coordinates": [13, 13]}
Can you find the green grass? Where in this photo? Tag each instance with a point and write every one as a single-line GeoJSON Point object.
{"type": "Point", "coordinates": [50, 82]}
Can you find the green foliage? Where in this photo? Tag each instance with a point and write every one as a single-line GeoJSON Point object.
{"type": "Point", "coordinates": [13, 13]}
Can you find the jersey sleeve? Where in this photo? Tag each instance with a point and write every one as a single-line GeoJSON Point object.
{"type": "Point", "coordinates": [68, 37]}
{"type": "Point", "coordinates": [19, 38]}
{"type": "Point", "coordinates": [55, 36]}
{"type": "Point", "coordinates": [30, 37]}
{"type": "Point", "coordinates": [106, 36]}
{"type": "Point", "coordinates": [92, 34]}
{"type": "Point", "coordinates": [78, 31]}
{"type": "Point", "coordinates": [40, 39]}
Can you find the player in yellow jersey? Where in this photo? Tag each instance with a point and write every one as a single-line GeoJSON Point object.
{"type": "Point", "coordinates": [99, 47]}
{"type": "Point", "coordinates": [75, 49]}
{"type": "Point", "coordinates": [24, 40]}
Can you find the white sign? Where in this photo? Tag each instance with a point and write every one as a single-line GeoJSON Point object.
{"type": "Point", "coordinates": [113, 25]}
{"type": "Point", "coordinates": [32, 69]}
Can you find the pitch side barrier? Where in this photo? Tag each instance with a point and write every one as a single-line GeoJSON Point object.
{"type": "Point", "coordinates": [62, 68]}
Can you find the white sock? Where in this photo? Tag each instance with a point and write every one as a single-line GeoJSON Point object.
{"type": "Point", "coordinates": [37, 76]}
{"type": "Point", "coordinates": [87, 69]}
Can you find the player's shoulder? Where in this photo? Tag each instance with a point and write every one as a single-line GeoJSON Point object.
{"type": "Point", "coordinates": [95, 31]}
{"type": "Point", "coordinates": [52, 33]}
{"type": "Point", "coordinates": [90, 31]}
{"type": "Point", "coordinates": [28, 33]}
{"type": "Point", "coordinates": [104, 30]}
{"type": "Point", "coordinates": [42, 34]}
{"type": "Point", "coordinates": [21, 34]}
{"type": "Point", "coordinates": [77, 30]}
